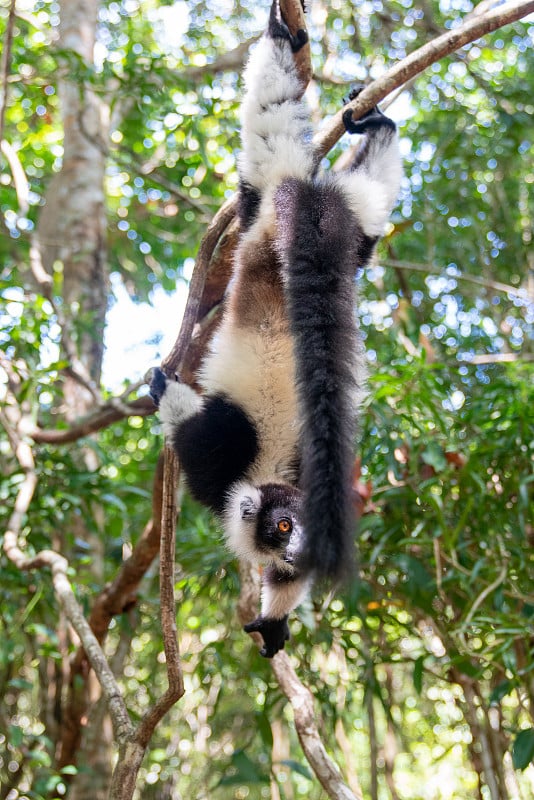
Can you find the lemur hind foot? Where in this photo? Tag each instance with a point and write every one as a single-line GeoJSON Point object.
{"type": "Point", "coordinates": [279, 30]}
{"type": "Point", "coordinates": [354, 92]}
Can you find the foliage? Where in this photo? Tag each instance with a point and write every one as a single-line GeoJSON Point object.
{"type": "Point", "coordinates": [436, 636]}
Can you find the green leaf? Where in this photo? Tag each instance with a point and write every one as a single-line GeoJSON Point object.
{"type": "Point", "coordinates": [434, 456]}
{"type": "Point", "coordinates": [501, 690]}
{"type": "Point", "coordinates": [523, 748]}
{"type": "Point", "coordinates": [301, 769]}
{"type": "Point", "coordinates": [265, 730]}
{"type": "Point", "coordinates": [246, 771]}
{"type": "Point", "coordinates": [418, 674]}
{"type": "Point", "coordinates": [16, 735]}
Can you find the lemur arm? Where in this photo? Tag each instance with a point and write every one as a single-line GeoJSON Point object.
{"type": "Point", "coordinates": [372, 184]}
{"type": "Point", "coordinates": [280, 594]}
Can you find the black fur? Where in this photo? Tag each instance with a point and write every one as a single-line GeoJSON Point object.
{"type": "Point", "coordinates": [278, 29]}
{"type": "Point", "coordinates": [248, 204]}
{"type": "Point", "coordinates": [215, 448]}
{"type": "Point", "coordinates": [366, 247]}
{"type": "Point", "coordinates": [373, 119]}
{"type": "Point", "coordinates": [158, 383]}
{"type": "Point", "coordinates": [275, 633]}
{"type": "Point", "coordinates": [278, 501]}
{"type": "Point", "coordinates": [320, 241]}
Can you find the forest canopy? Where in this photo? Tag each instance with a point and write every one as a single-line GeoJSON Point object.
{"type": "Point", "coordinates": [118, 141]}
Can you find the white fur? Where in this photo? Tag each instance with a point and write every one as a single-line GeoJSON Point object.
{"type": "Point", "coordinates": [372, 188]}
{"type": "Point", "coordinates": [276, 131]}
{"type": "Point", "coordinates": [239, 532]}
{"type": "Point", "coordinates": [256, 369]}
{"type": "Point", "coordinates": [279, 599]}
{"type": "Point", "coordinates": [179, 402]}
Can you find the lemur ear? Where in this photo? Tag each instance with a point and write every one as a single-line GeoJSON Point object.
{"type": "Point", "coordinates": [248, 508]}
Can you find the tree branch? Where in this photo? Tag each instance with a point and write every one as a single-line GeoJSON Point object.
{"type": "Point", "coordinates": [63, 590]}
{"type": "Point", "coordinates": [472, 28]}
{"type": "Point", "coordinates": [103, 418]}
{"type": "Point", "coordinates": [5, 65]}
{"type": "Point", "coordinates": [307, 722]}
{"type": "Point", "coordinates": [431, 270]}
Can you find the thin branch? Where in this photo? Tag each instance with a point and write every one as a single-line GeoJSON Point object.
{"type": "Point", "coordinates": [307, 721]}
{"type": "Point", "coordinates": [22, 186]}
{"type": "Point", "coordinates": [432, 270]}
{"type": "Point", "coordinates": [131, 752]}
{"type": "Point", "coordinates": [5, 66]}
{"type": "Point", "coordinates": [221, 220]}
{"type": "Point", "coordinates": [501, 577]}
{"type": "Point", "coordinates": [472, 28]}
{"type": "Point", "coordinates": [63, 590]}
{"type": "Point", "coordinates": [228, 61]}
{"type": "Point", "coordinates": [497, 358]}
{"type": "Point", "coordinates": [307, 727]}
{"type": "Point", "coordinates": [168, 608]}
{"type": "Point", "coordinates": [103, 418]}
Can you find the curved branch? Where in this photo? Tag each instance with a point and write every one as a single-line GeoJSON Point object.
{"type": "Point", "coordinates": [63, 590]}
{"type": "Point", "coordinates": [221, 220]}
{"type": "Point", "coordinates": [307, 722]}
{"type": "Point", "coordinates": [430, 269]}
{"type": "Point", "coordinates": [103, 418]}
{"type": "Point", "coordinates": [472, 28]}
{"type": "Point", "coordinates": [307, 727]}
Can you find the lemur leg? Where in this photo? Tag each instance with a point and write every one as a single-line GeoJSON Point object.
{"type": "Point", "coordinates": [214, 439]}
{"type": "Point", "coordinates": [275, 121]}
{"type": "Point", "coordinates": [372, 184]}
{"type": "Point", "coordinates": [176, 401]}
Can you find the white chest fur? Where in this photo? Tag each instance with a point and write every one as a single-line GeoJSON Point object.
{"type": "Point", "coordinates": [255, 368]}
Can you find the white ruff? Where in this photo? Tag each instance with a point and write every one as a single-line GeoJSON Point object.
{"type": "Point", "coordinates": [239, 532]}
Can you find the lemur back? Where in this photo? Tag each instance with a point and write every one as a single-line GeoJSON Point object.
{"type": "Point", "coordinates": [268, 445]}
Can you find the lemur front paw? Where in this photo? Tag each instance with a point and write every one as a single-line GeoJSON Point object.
{"type": "Point", "coordinates": [354, 92]}
{"type": "Point", "coordinates": [275, 633]}
{"type": "Point", "coordinates": [371, 119]}
{"type": "Point", "coordinates": [158, 385]}
{"type": "Point", "coordinates": [279, 30]}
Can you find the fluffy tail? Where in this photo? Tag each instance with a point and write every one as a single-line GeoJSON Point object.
{"type": "Point", "coordinates": [318, 240]}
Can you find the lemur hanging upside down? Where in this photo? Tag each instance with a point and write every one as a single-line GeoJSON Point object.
{"type": "Point", "coordinates": [268, 446]}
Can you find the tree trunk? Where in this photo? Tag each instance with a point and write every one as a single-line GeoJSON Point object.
{"type": "Point", "coordinates": [72, 225]}
{"type": "Point", "coordinates": [72, 238]}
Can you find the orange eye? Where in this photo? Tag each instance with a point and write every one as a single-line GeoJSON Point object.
{"type": "Point", "coordinates": [284, 526]}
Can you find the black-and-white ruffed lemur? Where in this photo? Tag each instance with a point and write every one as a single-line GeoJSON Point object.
{"type": "Point", "coordinates": [268, 445]}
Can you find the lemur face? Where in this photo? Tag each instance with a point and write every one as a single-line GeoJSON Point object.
{"type": "Point", "coordinates": [278, 526]}
{"type": "Point", "coordinates": [266, 524]}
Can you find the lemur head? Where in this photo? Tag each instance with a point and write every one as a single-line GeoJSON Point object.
{"type": "Point", "coordinates": [263, 523]}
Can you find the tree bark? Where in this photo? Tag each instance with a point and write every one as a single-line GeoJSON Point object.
{"type": "Point", "coordinates": [72, 225]}
{"type": "Point", "coordinates": [71, 237]}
